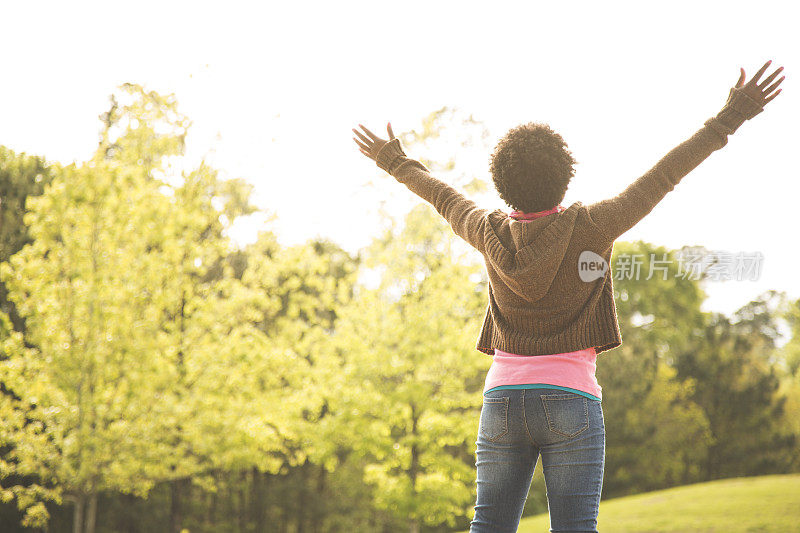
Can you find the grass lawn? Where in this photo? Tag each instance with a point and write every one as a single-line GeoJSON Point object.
{"type": "Point", "coordinates": [752, 504]}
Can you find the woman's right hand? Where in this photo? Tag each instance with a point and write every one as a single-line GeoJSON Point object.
{"type": "Point", "coordinates": [757, 91]}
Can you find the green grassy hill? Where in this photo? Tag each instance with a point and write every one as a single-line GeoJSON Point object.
{"type": "Point", "coordinates": [752, 504]}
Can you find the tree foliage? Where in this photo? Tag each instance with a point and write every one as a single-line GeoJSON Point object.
{"type": "Point", "coordinates": [155, 377]}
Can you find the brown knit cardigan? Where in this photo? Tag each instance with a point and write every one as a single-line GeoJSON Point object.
{"type": "Point", "coordinates": [538, 303]}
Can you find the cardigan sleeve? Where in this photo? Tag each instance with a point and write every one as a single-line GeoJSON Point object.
{"type": "Point", "coordinates": [467, 220]}
{"type": "Point", "coordinates": [617, 215]}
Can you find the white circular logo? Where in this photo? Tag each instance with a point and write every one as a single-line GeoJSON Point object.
{"type": "Point", "coordinates": [591, 266]}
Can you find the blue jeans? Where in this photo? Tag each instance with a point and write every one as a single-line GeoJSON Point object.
{"type": "Point", "coordinates": [515, 426]}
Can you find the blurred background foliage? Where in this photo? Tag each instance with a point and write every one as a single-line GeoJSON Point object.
{"type": "Point", "coordinates": [156, 377]}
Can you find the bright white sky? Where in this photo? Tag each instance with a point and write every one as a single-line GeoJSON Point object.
{"type": "Point", "coordinates": [274, 88]}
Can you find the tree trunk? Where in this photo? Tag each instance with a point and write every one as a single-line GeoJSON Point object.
{"type": "Point", "coordinates": [243, 504]}
{"type": "Point", "coordinates": [257, 501]}
{"type": "Point", "coordinates": [301, 508]}
{"type": "Point", "coordinates": [283, 510]}
{"type": "Point", "coordinates": [77, 516]}
{"type": "Point", "coordinates": [208, 517]}
{"type": "Point", "coordinates": [91, 513]}
{"type": "Point", "coordinates": [414, 467]}
{"type": "Point", "coordinates": [212, 511]}
{"type": "Point", "coordinates": [175, 511]}
{"type": "Point", "coordinates": [126, 524]}
{"type": "Point", "coordinates": [320, 508]}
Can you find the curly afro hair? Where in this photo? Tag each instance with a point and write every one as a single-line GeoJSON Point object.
{"type": "Point", "coordinates": [532, 167]}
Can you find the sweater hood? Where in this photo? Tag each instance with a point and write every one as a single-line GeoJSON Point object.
{"type": "Point", "coordinates": [530, 267]}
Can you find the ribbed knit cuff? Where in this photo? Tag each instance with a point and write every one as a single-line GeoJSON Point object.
{"type": "Point", "coordinates": [737, 109]}
{"type": "Point", "coordinates": [390, 155]}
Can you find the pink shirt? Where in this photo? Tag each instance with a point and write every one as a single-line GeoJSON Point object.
{"type": "Point", "coordinates": [572, 370]}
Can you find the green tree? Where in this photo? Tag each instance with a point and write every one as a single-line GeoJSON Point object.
{"type": "Point", "coordinates": [789, 360]}
{"type": "Point", "coordinates": [790, 352]}
{"type": "Point", "coordinates": [78, 397]}
{"type": "Point", "coordinates": [120, 289]}
{"type": "Point", "coordinates": [21, 176]}
{"type": "Point", "coordinates": [293, 296]}
{"type": "Point", "coordinates": [412, 380]}
{"type": "Point", "coordinates": [656, 436]}
{"type": "Point", "coordinates": [737, 382]}
{"type": "Point", "coordinates": [205, 336]}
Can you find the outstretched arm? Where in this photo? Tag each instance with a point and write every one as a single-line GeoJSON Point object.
{"type": "Point", "coordinates": [464, 216]}
{"type": "Point", "coordinates": [617, 215]}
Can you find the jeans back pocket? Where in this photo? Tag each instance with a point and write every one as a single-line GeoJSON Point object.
{"type": "Point", "coordinates": [567, 414]}
{"type": "Point", "coordinates": [494, 417]}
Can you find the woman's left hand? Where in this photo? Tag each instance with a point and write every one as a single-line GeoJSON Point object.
{"type": "Point", "coordinates": [372, 144]}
